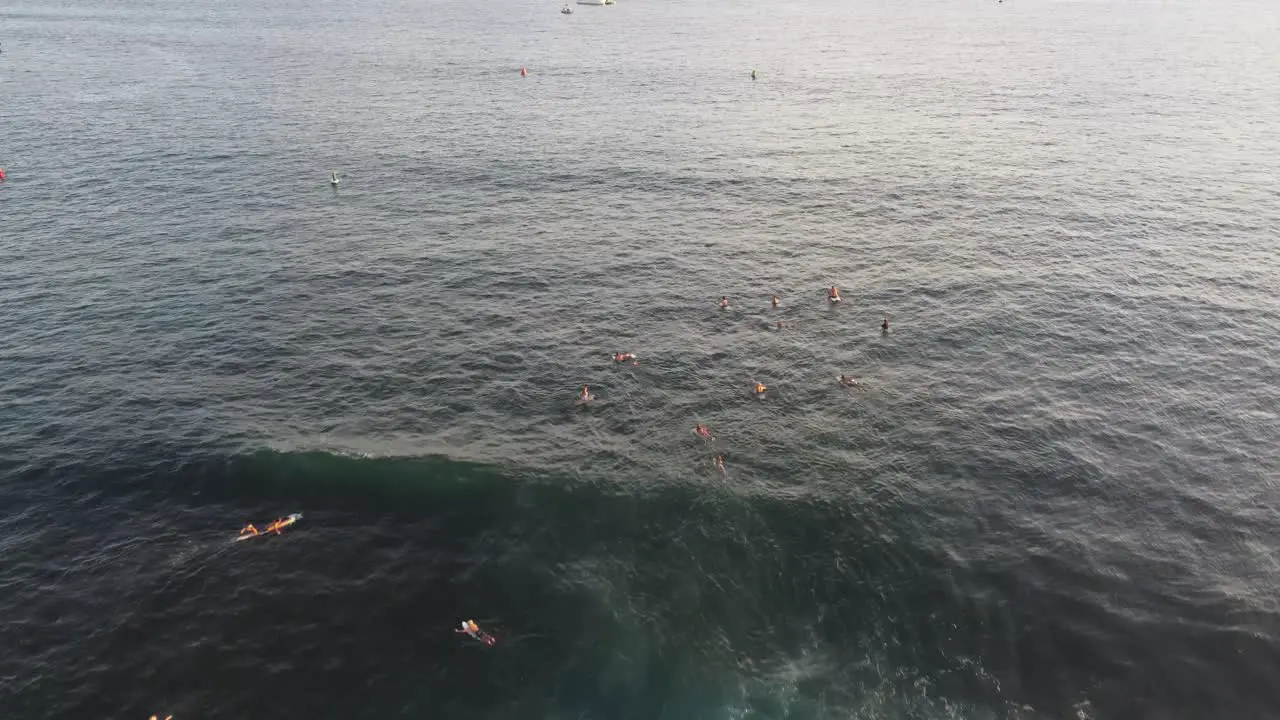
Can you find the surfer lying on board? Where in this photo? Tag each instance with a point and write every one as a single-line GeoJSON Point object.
{"type": "Point", "coordinates": [279, 524]}
{"type": "Point", "coordinates": [471, 628]}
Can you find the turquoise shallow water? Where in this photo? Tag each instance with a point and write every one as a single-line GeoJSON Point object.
{"type": "Point", "coordinates": [1053, 495]}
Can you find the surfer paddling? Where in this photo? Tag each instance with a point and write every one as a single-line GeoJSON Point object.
{"type": "Point", "coordinates": [277, 527]}
{"type": "Point", "coordinates": [469, 627]}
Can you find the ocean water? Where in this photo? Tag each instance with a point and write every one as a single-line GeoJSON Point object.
{"type": "Point", "coordinates": [1054, 494]}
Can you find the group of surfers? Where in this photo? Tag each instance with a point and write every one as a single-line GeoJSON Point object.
{"type": "Point", "coordinates": [702, 431]}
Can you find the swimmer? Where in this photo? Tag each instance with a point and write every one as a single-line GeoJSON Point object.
{"type": "Point", "coordinates": [471, 628]}
{"type": "Point", "coordinates": [833, 294]}
{"type": "Point", "coordinates": [703, 432]}
{"type": "Point", "coordinates": [884, 326]}
{"type": "Point", "coordinates": [724, 302]}
{"type": "Point", "coordinates": [585, 396]}
{"type": "Point", "coordinates": [720, 464]}
{"type": "Point", "coordinates": [623, 357]}
{"type": "Point", "coordinates": [848, 381]}
{"type": "Point", "coordinates": [760, 389]}
{"type": "Point", "coordinates": [774, 300]}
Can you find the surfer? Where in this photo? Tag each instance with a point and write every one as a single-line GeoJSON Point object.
{"type": "Point", "coordinates": [774, 300]}
{"type": "Point", "coordinates": [884, 326]}
{"type": "Point", "coordinates": [585, 396]}
{"type": "Point", "coordinates": [834, 294]}
{"type": "Point", "coordinates": [724, 302]}
{"type": "Point", "coordinates": [623, 357]}
{"type": "Point", "coordinates": [848, 381]}
{"type": "Point", "coordinates": [279, 524]}
{"type": "Point", "coordinates": [720, 464]}
{"type": "Point", "coordinates": [703, 432]}
{"type": "Point", "coordinates": [471, 628]}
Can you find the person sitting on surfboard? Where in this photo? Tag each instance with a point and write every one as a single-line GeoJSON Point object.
{"type": "Point", "coordinates": [471, 628]}
{"type": "Point", "coordinates": [833, 294]}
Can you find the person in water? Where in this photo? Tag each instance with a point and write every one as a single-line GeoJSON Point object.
{"type": "Point", "coordinates": [885, 325]}
{"type": "Point", "coordinates": [250, 530]}
{"type": "Point", "coordinates": [703, 432]}
{"type": "Point", "coordinates": [623, 357]}
{"type": "Point", "coordinates": [833, 294]}
{"type": "Point", "coordinates": [774, 300]}
{"type": "Point", "coordinates": [848, 381]}
{"type": "Point", "coordinates": [720, 464]}
{"type": "Point", "coordinates": [471, 628]}
{"type": "Point", "coordinates": [760, 388]}
{"type": "Point", "coordinates": [724, 302]}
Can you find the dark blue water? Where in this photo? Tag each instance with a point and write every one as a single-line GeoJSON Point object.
{"type": "Point", "coordinates": [1053, 495]}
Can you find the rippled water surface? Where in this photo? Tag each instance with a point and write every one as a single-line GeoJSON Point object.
{"type": "Point", "coordinates": [1053, 495]}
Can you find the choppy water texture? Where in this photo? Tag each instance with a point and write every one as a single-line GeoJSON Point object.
{"type": "Point", "coordinates": [1054, 495]}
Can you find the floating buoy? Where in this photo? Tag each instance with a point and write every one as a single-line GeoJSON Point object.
{"type": "Point", "coordinates": [523, 72]}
